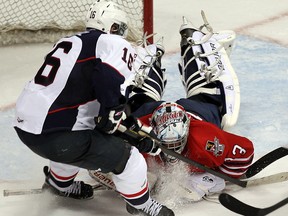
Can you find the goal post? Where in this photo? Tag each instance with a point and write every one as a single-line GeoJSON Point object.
{"type": "Point", "coordinates": [148, 18]}
{"type": "Point", "coordinates": [31, 21]}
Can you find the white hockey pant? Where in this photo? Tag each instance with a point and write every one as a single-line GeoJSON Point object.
{"type": "Point", "coordinates": [62, 173]}
{"type": "Point", "coordinates": [132, 182]}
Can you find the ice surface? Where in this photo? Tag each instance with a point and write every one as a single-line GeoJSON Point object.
{"type": "Point", "coordinates": [260, 59]}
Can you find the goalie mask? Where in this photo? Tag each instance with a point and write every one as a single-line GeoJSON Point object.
{"type": "Point", "coordinates": [108, 17]}
{"type": "Point", "coordinates": [171, 125]}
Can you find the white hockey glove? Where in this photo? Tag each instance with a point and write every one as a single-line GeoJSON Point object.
{"type": "Point", "coordinates": [110, 123]}
{"type": "Point", "coordinates": [202, 184]}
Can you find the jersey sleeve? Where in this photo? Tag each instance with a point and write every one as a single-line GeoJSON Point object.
{"type": "Point", "coordinates": [114, 68]}
{"type": "Point", "coordinates": [119, 54]}
{"type": "Point", "coordinates": [239, 157]}
{"type": "Point", "coordinates": [208, 145]}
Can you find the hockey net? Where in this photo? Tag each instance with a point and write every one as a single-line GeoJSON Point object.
{"type": "Point", "coordinates": [31, 21]}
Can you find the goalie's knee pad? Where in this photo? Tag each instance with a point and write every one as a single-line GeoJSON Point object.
{"type": "Point", "coordinates": [204, 60]}
{"type": "Point", "coordinates": [150, 79]}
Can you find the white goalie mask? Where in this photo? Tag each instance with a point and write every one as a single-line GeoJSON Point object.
{"type": "Point", "coordinates": [171, 125]}
{"type": "Point", "coordinates": [108, 17]}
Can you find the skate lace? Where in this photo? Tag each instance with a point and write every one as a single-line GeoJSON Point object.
{"type": "Point", "coordinates": [153, 209]}
{"type": "Point", "coordinates": [75, 188]}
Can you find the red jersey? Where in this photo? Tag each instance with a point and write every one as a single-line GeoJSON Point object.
{"type": "Point", "coordinates": [215, 148]}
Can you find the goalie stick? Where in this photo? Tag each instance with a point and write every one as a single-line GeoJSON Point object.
{"type": "Point", "coordinates": [265, 161]}
{"type": "Point", "coordinates": [106, 179]}
{"type": "Point", "coordinates": [105, 183]}
{"type": "Point", "coordinates": [242, 208]}
{"type": "Point", "coordinates": [275, 178]}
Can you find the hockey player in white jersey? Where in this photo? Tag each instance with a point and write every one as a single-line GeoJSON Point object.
{"type": "Point", "coordinates": [69, 110]}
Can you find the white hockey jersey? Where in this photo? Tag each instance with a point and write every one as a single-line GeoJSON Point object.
{"type": "Point", "coordinates": [82, 77]}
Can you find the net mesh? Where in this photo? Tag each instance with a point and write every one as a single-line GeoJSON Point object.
{"type": "Point", "coordinates": [23, 21]}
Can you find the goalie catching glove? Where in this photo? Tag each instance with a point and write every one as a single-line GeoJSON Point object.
{"type": "Point", "coordinates": [145, 144]}
{"type": "Point", "coordinates": [198, 185]}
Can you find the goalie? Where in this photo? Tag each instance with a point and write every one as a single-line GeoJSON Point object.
{"type": "Point", "coordinates": [195, 126]}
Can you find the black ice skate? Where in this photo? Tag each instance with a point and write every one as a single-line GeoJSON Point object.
{"type": "Point", "coordinates": [154, 209]}
{"type": "Point", "coordinates": [78, 189]}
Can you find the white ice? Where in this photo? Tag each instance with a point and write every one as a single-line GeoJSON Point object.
{"type": "Point", "coordinates": [260, 59]}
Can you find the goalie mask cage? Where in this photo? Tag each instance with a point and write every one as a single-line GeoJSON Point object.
{"type": "Point", "coordinates": [23, 21]}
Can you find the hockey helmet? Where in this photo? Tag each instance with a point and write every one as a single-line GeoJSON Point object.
{"type": "Point", "coordinates": [108, 17]}
{"type": "Point", "coordinates": [171, 125]}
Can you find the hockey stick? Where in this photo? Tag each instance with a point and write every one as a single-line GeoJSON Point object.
{"type": "Point", "coordinates": [105, 183]}
{"type": "Point", "coordinates": [265, 161]}
{"type": "Point", "coordinates": [32, 191]}
{"type": "Point", "coordinates": [106, 180]}
{"type": "Point", "coordinates": [275, 178]}
{"type": "Point", "coordinates": [131, 133]}
{"type": "Point", "coordinates": [103, 179]}
{"type": "Point", "coordinates": [239, 207]}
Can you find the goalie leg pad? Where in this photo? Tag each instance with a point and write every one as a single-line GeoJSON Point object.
{"type": "Point", "coordinates": [199, 66]}
{"type": "Point", "coordinates": [203, 62]}
{"type": "Point", "coordinates": [150, 79]}
{"type": "Point", "coordinates": [231, 90]}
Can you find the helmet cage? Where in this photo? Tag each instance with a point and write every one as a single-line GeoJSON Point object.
{"type": "Point", "coordinates": [171, 124]}
{"type": "Point", "coordinates": [177, 146]}
{"type": "Point", "coordinates": [119, 29]}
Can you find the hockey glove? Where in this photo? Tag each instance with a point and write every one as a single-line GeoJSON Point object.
{"type": "Point", "coordinates": [135, 125]}
{"type": "Point", "coordinates": [145, 144]}
{"type": "Point", "coordinates": [110, 122]}
{"type": "Point", "coordinates": [202, 184]}
{"type": "Point", "coordinates": [148, 146]}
